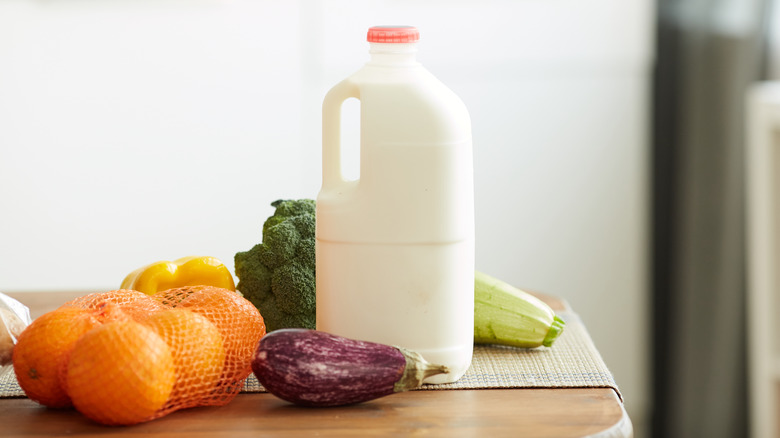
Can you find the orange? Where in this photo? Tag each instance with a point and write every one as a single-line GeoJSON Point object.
{"type": "Point", "coordinates": [241, 326]}
{"type": "Point", "coordinates": [42, 350]}
{"type": "Point", "coordinates": [137, 305]}
{"type": "Point", "coordinates": [198, 354]}
{"type": "Point", "coordinates": [120, 373]}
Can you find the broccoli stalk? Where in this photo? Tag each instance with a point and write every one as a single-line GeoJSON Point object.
{"type": "Point", "coordinates": [278, 275]}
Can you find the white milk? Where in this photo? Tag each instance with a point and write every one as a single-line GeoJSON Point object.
{"type": "Point", "coordinates": [395, 249]}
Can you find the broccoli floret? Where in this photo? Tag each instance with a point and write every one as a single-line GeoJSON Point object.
{"type": "Point", "coordinates": [278, 275]}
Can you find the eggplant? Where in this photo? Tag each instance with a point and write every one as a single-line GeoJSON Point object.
{"type": "Point", "coordinates": [315, 368]}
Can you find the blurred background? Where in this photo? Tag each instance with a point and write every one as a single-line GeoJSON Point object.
{"type": "Point", "coordinates": [608, 147]}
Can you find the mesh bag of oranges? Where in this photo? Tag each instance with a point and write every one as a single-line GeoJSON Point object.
{"type": "Point", "coordinates": [124, 357]}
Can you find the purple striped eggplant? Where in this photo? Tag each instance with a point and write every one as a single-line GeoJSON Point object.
{"type": "Point", "coordinates": [314, 368]}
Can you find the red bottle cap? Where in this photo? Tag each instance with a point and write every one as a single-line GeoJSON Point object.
{"type": "Point", "coordinates": [393, 34]}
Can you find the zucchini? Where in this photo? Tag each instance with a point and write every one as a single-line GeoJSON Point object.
{"type": "Point", "coordinates": [314, 368]}
{"type": "Point", "coordinates": [506, 315]}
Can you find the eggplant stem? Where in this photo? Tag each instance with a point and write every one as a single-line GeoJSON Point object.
{"type": "Point", "coordinates": [417, 369]}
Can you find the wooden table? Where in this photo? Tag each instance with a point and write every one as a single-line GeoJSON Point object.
{"type": "Point", "coordinates": [560, 412]}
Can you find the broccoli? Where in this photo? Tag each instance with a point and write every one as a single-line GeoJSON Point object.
{"type": "Point", "coordinates": [278, 275]}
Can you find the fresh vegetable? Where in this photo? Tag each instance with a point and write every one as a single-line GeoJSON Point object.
{"type": "Point", "coordinates": [506, 315]}
{"type": "Point", "coordinates": [278, 274]}
{"type": "Point", "coordinates": [186, 271]}
{"type": "Point", "coordinates": [314, 368]}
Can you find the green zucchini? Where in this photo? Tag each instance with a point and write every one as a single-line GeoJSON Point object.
{"type": "Point", "coordinates": [506, 315]}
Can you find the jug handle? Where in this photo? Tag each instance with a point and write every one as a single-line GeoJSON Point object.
{"type": "Point", "coordinates": [331, 131]}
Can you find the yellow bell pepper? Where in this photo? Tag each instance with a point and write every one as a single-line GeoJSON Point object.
{"type": "Point", "coordinates": [186, 271]}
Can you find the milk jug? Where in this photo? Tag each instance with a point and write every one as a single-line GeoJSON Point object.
{"type": "Point", "coordinates": [395, 248]}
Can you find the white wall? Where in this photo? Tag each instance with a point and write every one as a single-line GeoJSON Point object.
{"type": "Point", "coordinates": [135, 131]}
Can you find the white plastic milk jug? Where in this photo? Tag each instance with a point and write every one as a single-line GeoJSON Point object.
{"type": "Point", "coordinates": [395, 248]}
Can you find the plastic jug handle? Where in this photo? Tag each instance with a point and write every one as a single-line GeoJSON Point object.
{"type": "Point", "coordinates": [331, 131]}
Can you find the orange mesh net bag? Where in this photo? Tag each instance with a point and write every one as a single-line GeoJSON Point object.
{"type": "Point", "coordinates": [237, 320]}
{"type": "Point", "coordinates": [141, 356]}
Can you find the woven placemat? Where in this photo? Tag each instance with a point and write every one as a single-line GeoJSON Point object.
{"type": "Point", "coordinates": [572, 362]}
